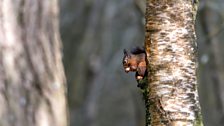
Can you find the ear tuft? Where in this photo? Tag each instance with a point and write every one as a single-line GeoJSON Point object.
{"type": "Point", "coordinates": [125, 52]}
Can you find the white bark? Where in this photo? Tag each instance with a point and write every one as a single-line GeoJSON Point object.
{"type": "Point", "coordinates": [171, 54]}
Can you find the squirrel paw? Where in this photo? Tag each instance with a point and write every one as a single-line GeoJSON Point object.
{"type": "Point", "coordinates": [139, 77]}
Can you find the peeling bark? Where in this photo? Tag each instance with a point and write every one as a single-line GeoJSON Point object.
{"type": "Point", "coordinates": [171, 56]}
{"type": "Point", "coordinates": [32, 82]}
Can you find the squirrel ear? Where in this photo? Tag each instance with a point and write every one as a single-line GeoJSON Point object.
{"type": "Point", "coordinates": [125, 52]}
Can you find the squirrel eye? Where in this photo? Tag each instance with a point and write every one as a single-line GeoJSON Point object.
{"type": "Point", "coordinates": [125, 61]}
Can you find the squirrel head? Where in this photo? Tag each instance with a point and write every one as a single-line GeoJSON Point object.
{"type": "Point", "coordinates": [132, 59]}
{"type": "Point", "coordinates": [126, 61]}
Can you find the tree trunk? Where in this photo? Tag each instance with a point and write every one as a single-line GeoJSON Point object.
{"type": "Point", "coordinates": [171, 56]}
{"type": "Point", "coordinates": [32, 81]}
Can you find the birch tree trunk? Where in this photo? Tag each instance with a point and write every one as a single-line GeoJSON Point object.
{"type": "Point", "coordinates": [171, 56]}
{"type": "Point", "coordinates": [32, 82]}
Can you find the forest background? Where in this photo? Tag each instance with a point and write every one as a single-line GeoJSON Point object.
{"type": "Point", "coordinates": [94, 34]}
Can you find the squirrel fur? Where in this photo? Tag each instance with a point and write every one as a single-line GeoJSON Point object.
{"type": "Point", "coordinates": [134, 61]}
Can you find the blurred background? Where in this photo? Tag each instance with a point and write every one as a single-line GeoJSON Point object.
{"type": "Point", "coordinates": [100, 93]}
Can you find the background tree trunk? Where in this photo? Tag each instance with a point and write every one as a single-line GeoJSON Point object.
{"type": "Point", "coordinates": [32, 82]}
{"type": "Point", "coordinates": [171, 54]}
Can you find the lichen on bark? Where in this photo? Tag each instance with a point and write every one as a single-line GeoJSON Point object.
{"type": "Point", "coordinates": [143, 85]}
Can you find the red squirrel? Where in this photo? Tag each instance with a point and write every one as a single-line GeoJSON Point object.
{"type": "Point", "coordinates": [134, 61]}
